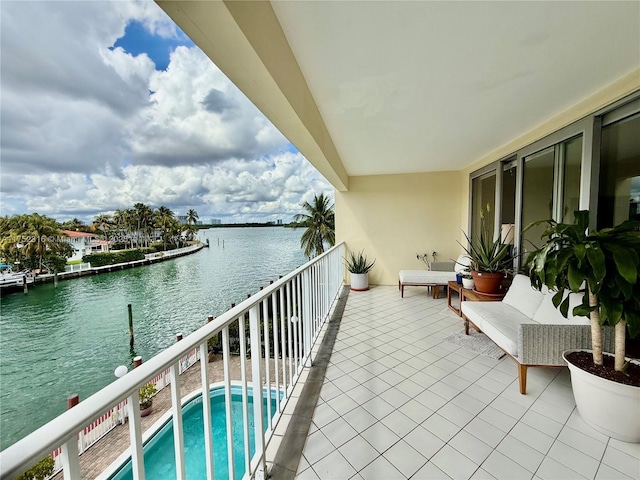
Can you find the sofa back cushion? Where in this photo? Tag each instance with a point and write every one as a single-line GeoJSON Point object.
{"type": "Point", "coordinates": [549, 314]}
{"type": "Point", "coordinates": [522, 296]}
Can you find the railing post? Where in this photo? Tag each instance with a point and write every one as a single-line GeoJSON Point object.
{"type": "Point", "coordinates": [135, 436]}
{"type": "Point", "coordinates": [245, 400]}
{"type": "Point", "coordinates": [71, 459]}
{"type": "Point", "coordinates": [267, 354]}
{"type": "Point", "coordinates": [256, 376]}
{"type": "Point", "coordinates": [307, 308]}
{"type": "Point", "coordinates": [206, 409]}
{"type": "Point", "coordinates": [227, 402]}
{"type": "Point", "coordinates": [72, 401]}
{"type": "Point", "coordinates": [176, 407]}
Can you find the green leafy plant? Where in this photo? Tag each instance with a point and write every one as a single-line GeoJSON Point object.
{"type": "Point", "coordinates": [41, 470]}
{"type": "Point", "coordinates": [146, 395]}
{"type": "Point", "coordinates": [358, 263]}
{"type": "Point", "coordinates": [602, 265]}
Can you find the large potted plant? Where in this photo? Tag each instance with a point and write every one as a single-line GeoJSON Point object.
{"type": "Point", "coordinates": [359, 267]}
{"type": "Point", "coordinates": [604, 267]}
{"type": "Point", "coordinates": [490, 260]}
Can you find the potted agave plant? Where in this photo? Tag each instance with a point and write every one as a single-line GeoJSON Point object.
{"type": "Point", "coordinates": [603, 266]}
{"type": "Point", "coordinates": [490, 260]}
{"type": "Point", "coordinates": [359, 267]}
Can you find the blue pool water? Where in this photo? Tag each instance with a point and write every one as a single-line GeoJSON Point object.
{"type": "Point", "coordinates": [159, 457]}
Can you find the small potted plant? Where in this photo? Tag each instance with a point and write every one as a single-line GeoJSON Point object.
{"type": "Point", "coordinates": [604, 268]}
{"type": "Point", "coordinates": [359, 268]}
{"type": "Point", "coordinates": [467, 280]}
{"type": "Point", "coordinates": [146, 393]}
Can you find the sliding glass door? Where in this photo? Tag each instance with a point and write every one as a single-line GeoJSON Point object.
{"type": "Point", "coordinates": [619, 194]}
{"type": "Point", "coordinates": [483, 203]}
{"type": "Point", "coordinates": [537, 196]}
{"type": "Point", "coordinates": [550, 189]}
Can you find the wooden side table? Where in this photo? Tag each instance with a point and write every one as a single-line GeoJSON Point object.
{"type": "Point", "coordinates": [455, 287]}
{"type": "Point", "coordinates": [467, 294]}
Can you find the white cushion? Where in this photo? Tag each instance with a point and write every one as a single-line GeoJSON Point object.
{"type": "Point", "coordinates": [522, 296]}
{"type": "Point", "coordinates": [549, 314]}
{"type": "Point", "coordinates": [462, 263]}
{"type": "Point", "coordinates": [498, 321]}
{"type": "Point", "coordinates": [425, 277]}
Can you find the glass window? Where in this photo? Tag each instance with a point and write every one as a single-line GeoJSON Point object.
{"type": "Point", "coordinates": [537, 196]}
{"type": "Point", "coordinates": [483, 203]}
{"type": "Point", "coordinates": [508, 202]}
{"type": "Point", "coordinates": [571, 153]}
{"type": "Point", "coordinates": [619, 193]}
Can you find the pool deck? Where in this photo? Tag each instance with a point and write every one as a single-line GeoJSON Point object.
{"type": "Point", "coordinates": [100, 455]}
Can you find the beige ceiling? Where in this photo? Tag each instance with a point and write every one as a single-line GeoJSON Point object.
{"type": "Point", "coordinates": [412, 86]}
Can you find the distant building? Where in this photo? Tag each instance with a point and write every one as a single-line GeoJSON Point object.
{"type": "Point", "coordinates": [279, 221]}
{"type": "Point", "coordinates": [216, 221]}
{"type": "Point", "coordinates": [183, 220]}
{"type": "Point", "coordinates": [84, 243]}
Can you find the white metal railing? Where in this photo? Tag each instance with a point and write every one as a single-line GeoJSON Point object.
{"type": "Point", "coordinates": [93, 433]}
{"type": "Point", "coordinates": [77, 267]}
{"type": "Point", "coordinates": [284, 320]}
{"type": "Point", "coordinates": [173, 253]}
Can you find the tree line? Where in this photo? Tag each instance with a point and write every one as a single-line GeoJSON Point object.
{"type": "Point", "coordinates": [34, 241]}
{"type": "Point", "coordinates": [141, 226]}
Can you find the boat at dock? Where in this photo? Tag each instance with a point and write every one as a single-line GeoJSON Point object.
{"type": "Point", "coordinates": [10, 280]}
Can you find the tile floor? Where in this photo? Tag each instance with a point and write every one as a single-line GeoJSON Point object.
{"type": "Point", "coordinates": [398, 402]}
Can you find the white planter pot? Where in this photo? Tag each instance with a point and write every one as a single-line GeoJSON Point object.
{"type": "Point", "coordinates": [467, 283]}
{"type": "Point", "coordinates": [609, 407]}
{"type": "Point", "coordinates": [359, 282]}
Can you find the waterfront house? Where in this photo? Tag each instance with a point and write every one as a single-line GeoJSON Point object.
{"type": "Point", "coordinates": [421, 114]}
{"type": "Point", "coordinates": [84, 243]}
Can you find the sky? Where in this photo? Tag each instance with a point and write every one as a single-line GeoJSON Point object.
{"type": "Point", "coordinates": [106, 104]}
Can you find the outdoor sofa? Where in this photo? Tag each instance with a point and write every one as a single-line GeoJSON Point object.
{"type": "Point", "coordinates": [529, 329]}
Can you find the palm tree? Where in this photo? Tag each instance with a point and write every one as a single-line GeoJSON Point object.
{"type": "Point", "coordinates": [36, 239]}
{"type": "Point", "coordinates": [189, 231]}
{"type": "Point", "coordinates": [319, 223]}
{"type": "Point", "coordinates": [166, 222]}
{"type": "Point", "coordinates": [74, 224]}
{"type": "Point", "coordinates": [102, 223]}
{"type": "Point", "coordinates": [144, 220]}
{"type": "Point", "coordinates": [192, 217]}
{"type": "Point", "coordinates": [123, 220]}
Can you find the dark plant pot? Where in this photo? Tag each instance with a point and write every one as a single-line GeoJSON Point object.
{"type": "Point", "coordinates": [487, 282]}
{"type": "Point", "coordinates": [458, 279]}
{"type": "Point", "coordinates": [145, 412]}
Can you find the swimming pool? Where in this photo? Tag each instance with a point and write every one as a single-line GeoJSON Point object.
{"type": "Point", "coordinates": [159, 455]}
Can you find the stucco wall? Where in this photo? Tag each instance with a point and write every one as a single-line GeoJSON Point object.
{"type": "Point", "coordinates": [394, 217]}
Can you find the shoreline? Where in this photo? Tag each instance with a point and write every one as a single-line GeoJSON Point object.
{"type": "Point", "coordinates": [149, 259]}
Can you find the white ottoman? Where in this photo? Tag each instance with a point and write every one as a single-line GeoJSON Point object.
{"type": "Point", "coordinates": [424, 278]}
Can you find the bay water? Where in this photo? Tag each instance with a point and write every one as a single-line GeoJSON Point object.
{"type": "Point", "coordinates": [55, 342]}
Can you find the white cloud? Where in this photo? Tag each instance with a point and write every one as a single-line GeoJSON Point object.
{"type": "Point", "coordinates": [87, 128]}
{"type": "Point", "coordinates": [246, 190]}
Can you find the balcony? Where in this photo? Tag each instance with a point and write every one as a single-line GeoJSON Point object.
{"type": "Point", "coordinates": [393, 398]}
